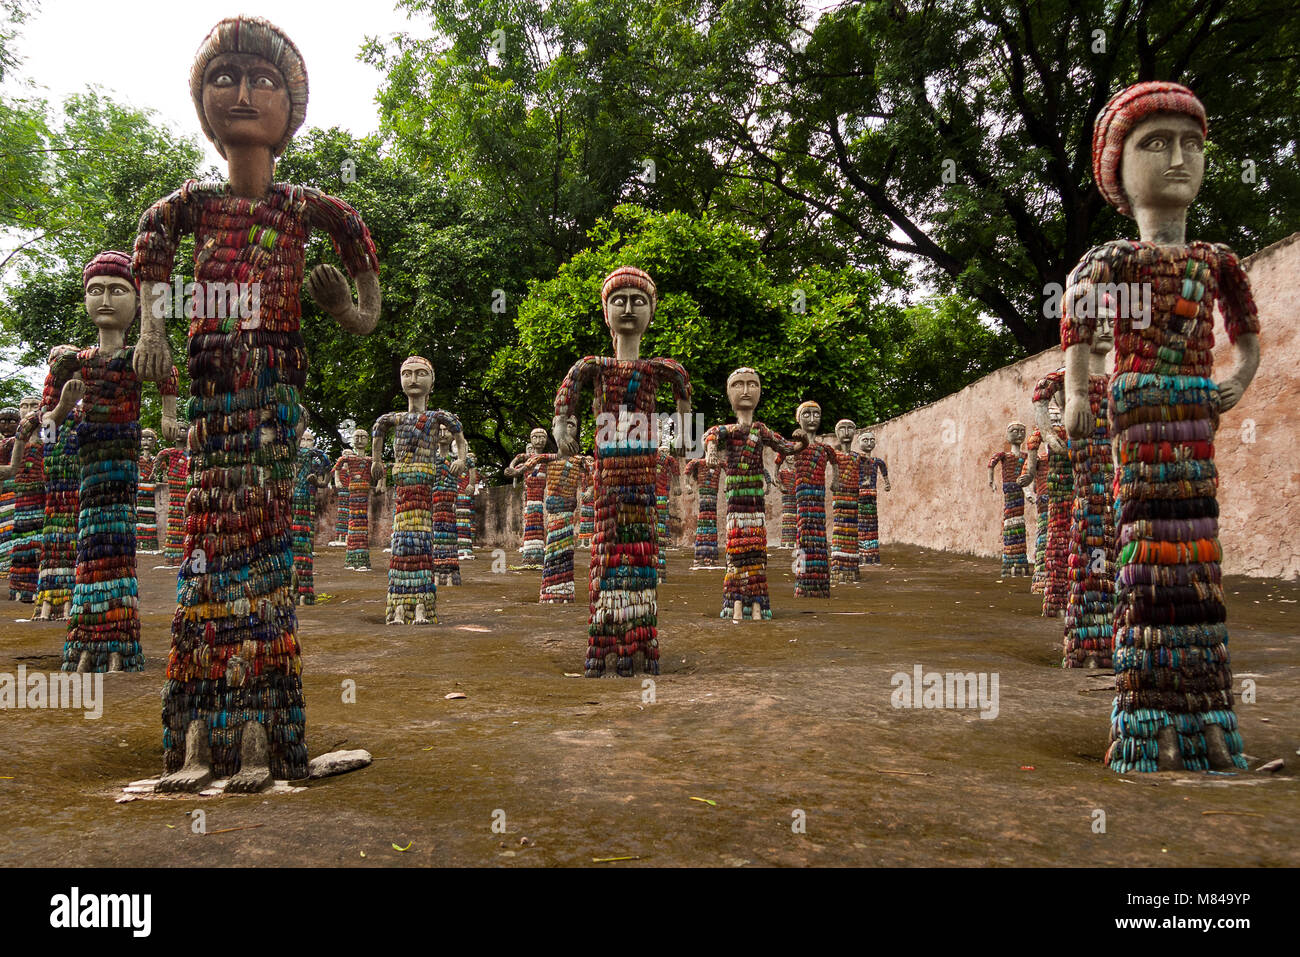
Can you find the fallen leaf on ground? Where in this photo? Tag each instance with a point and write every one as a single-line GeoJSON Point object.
{"type": "Point", "coordinates": [606, 860]}
{"type": "Point", "coordinates": [407, 848]}
{"type": "Point", "coordinates": [455, 694]}
{"type": "Point", "coordinates": [242, 827]}
{"type": "Point", "coordinates": [705, 801]}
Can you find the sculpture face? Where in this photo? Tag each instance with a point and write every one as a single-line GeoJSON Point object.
{"type": "Point", "coordinates": [1163, 162]}
{"type": "Point", "coordinates": [308, 440]}
{"type": "Point", "coordinates": [844, 430]}
{"type": "Point", "coordinates": [1015, 434]}
{"type": "Point", "coordinates": [245, 100]}
{"type": "Point", "coordinates": [868, 441]}
{"type": "Point", "coordinates": [148, 442]}
{"type": "Point", "coordinates": [444, 436]}
{"type": "Point", "coordinates": [8, 426]}
{"type": "Point", "coordinates": [628, 310]}
{"type": "Point", "coordinates": [810, 420]}
{"type": "Point", "coordinates": [537, 440]}
{"type": "Point", "coordinates": [744, 391]}
{"type": "Point", "coordinates": [417, 379]}
{"type": "Point", "coordinates": [28, 404]}
{"type": "Point", "coordinates": [1103, 339]}
{"type": "Point", "coordinates": [571, 428]}
{"type": "Point", "coordinates": [1054, 413]}
{"type": "Point", "coordinates": [110, 303]}
{"type": "Point", "coordinates": [360, 440]}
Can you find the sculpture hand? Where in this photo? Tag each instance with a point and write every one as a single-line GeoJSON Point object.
{"type": "Point", "coordinates": [153, 357]}
{"type": "Point", "coordinates": [73, 392]}
{"type": "Point", "coordinates": [332, 292]}
{"type": "Point", "coordinates": [888, 487]}
{"type": "Point", "coordinates": [377, 474]}
{"type": "Point", "coordinates": [1078, 417]}
{"type": "Point", "coordinates": [171, 430]}
{"type": "Point", "coordinates": [711, 456]}
{"type": "Point", "coordinates": [1230, 393]}
{"type": "Point", "coordinates": [457, 468]}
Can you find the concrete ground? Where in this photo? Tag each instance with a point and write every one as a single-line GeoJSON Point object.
{"type": "Point", "coordinates": [773, 743]}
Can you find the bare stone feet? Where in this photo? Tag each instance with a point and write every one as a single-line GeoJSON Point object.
{"type": "Point", "coordinates": [1170, 757]}
{"type": "Point", "coordinates": [83, 663]}
{"type": "Point", "coordinates": [115, 661]}
{"type": "Point", "coordinates": [1091, 663]}
{"type": "Point", "coordinates": [254, 761]}
{"type": "Point", "coordinates": [1216, 749]}
{"type": "Point", "coordinates": [43, 613]}
{"type": "Point", "coordinates": [196, 773]}
{"type": "Point", "coordinates": [756, 612]}
{"type": "Point", "coordinates": [67, 609]}
{"type": "Point", "coordinates": [398, 615]}
{"type": "Point", "coordinates": [737, 611]}
{"type": "Point", "coordinates": [421, 617]}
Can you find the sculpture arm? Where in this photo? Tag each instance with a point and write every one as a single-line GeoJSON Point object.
{"type": "Point", "coordinates": [1030, 466]}
{"type": "Point", "coordinates": [347, 230]}
{"type": "Point", "coordinates": [1079, 420]}
{"type": "Point", "coordinates": [19, 446]}
{"type": "Point", "coordinates": [884, 474]}
{"type": "Point", "coordinates": [160, 227]}
{"type": "Point", "coordinates": [566, 403]}
{"type": "Point", "coordinates": [993, 466]}
{"type": "Point", "coordinates": [378, 432]}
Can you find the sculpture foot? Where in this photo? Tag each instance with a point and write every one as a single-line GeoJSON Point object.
{"type": "Point", "coordinates": [43, 613]}
{"type": "Point", "coordinates": [254, 761]}
{"type": "Point", "coordinates": [756, 612]}
{"type": "Point", "coordinates": [67, 609]}
{"type": "Point", "coordinates": [1091, 663]}
{"type": "Point", "coordinates": [83, 663]}
{"type": "Point", "coordinates": [1170, 757]}
{"type": "Point", "coordinates": [397, 616]}
{"type": "Point", "coordinates": [1216, 749]}
{"type": "Point", "coordinates": [115, 661]}
{"type": "Point", "coordinates": [737, 611]}
{"type": "Point", "coordinates": [196, 773]}
{"type": "Point", "coordinates": [421, 616]}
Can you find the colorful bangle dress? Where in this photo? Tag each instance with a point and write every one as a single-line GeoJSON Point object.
{"type": "Point", "coordinates": [235, 655]}
{"type": "Point", "coordinates": [812, 569]}
{"type": "Point", "coordinates": [446, 567]}
{"type": "Point", "coordinates": [844, 532]}
{"type": "Point", "coordinates": [586, 510]}
{"type": "Point", "coordinates": [411, 578]}
{"type": "Point", "coordinates": [1060, 504]}
{"type": "Point", "coordinates": [868, 519]}
{"type": "Point", "coordinates": [341, 511]}
{"type": "Point", "coordinates": [1170, 632]}
{"type": "Point", "coordinates": [465, 511]}
{"type": "Point", "coordinates": [354, 478]}
{"type": "Point", "coordinates": [741, 448]}
{"type": "Point", "coordinates": [1013, 513]}
{"type": "Point", "coordinates": [1036, 444]}
{"type": "Point", "coordinates": [58, 573]}
{"type": "Point", "coordinates": [6, 510]}
{"type": "Point", "coordinates": [707, 479]}
{"type": "Point", "coordinates": [310, 462]}
{"type": "Point", "coordinates": [789, 505]}
{"type": "Point", "coordinates": [175, 464]}
{"type": "Point", "coordinates": [667, 471]}
{"type": "Point", "coordinates": [533, 547]}
{"type": "Point", "coordinates": [29, 521]}
{"type": "Point", "coordinates": [146, 509]}
{"type": "Point", "coordinates": [624, 561]}
{"type": "Point", "coordinates": [563, 478]}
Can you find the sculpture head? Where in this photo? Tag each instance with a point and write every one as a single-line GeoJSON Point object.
{"type": "Point", "coordinates": [867, 442]}
{"type": "Point", "coordinates": [845, 429]}
{"type": "Point", "coordinates": [111, 300]}
{"type": "Point", "coordinates": [1103, 338]}
{"type": "Point", "coordinates": [809, 418]}
{"type": "Point", "coordinates": [148, 441]}
{"type": "Point", "coordinates": [307, 440]}
{"type": "Point", "coordinates": [9, 420]}
{"type": "Point", "coordinates": [249, 85]}
{"type": "Point", "coordinates": [571, 430]}
{"type": "Point", "coordinates": [744, 389]}
{"type": "Point", "coordinates": [444, 437]}
{"type": "Point", "coordinates": [1015, 432]}
{"type": "Point", "coordinates": [27, 405]}
{"type": "Point", "coordinates": [628, 299]}
{"type": "Point", "coordinates": [537, 441]}
{"type": "Point", "coordinates": [1055, 414]}
{"type": "Point", "coordinates": [360, 440]}
{"type": "Point", "coordinates": [1148, 147]}
{"type": "Point", "coordinates": [417, 377]}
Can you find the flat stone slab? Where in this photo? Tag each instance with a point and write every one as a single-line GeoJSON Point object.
{"type": "Point", "coordinates": [337, 762]}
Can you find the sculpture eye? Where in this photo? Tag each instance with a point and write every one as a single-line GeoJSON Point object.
{"type": "Point", "coordinates": [1193, 144]}
{"type": "Point", "coordinates": [264, 81]}
{"type": "Point", "coordinates": [1156, 144]}
{"type": "Point", "coordinates": [223, 79]}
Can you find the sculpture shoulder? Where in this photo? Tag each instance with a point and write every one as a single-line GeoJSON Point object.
{"type": "Point", "coordinates": [1049, 385]}
{"type": "Point", "coordinates": [1108, 254]}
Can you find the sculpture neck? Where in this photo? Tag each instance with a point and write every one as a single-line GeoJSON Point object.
{"type": "Point", "coordinates": [1015, 448]}
{"type": "Point", "coordinates": [250, 170]}
{"type": "Point", "coordinates": [1162, 226]}
{"type": "Point", "coordinates": [112, 340]}
{"type": "Point", "coordinates": [627, 347]}
{"type": "Point", "coordinates": [744, 417]}
{"type": "Point", "coordinates": [1097, 362]}
{"type": "Point", "coordinates": [417, 403]}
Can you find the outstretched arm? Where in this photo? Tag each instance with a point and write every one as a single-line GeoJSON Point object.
{"type": "Point", "coordinates": [566, 403]}
{"type": "Point", "coordinates": [378, 432]}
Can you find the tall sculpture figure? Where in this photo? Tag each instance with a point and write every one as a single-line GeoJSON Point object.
{"type": "Point", "coordinates": [1173, 708]}
{"type": "Point", "coordinates": [412, 584]}
{"type": "Point", "coordinates": [311, 470]}
{"type": "Point", "coordinates": [465, 486]}
{"type": "Point", "coordinates": [1090, 572]}
{"type": "Point", "coordinates": [738, 449]}
{"type": "Point", "coordinates": [844, 532]}
{"type": "Point", "coordinates": [9, 421]}
{"type": "Point", "coordinates": [352, 475]}
{"type": "Point", "coordinates": [174, 464]}
{"type": "Point", "coordinates": [624, 608]}
{"type": "Point", "coordinates": [146, 507]}
{"type": "Point", "coordinates": [564, 475]}
{"type": "Point", "coordinates": [785, 479]}
{"type": "Point", "coordinates": [1060, 493]}
{"type": "Point", "coordinates": [29, 509]}
{"type": "Point", "coordinates": [58, 573]}
{"type": "Point", "coordinates": [707, 479]}
{"type": "Point", "coordinates": [1013, 502]}
{"type": "Point", "coordinates": [868, 518]}
{"type": "Point", "coordinates": [1034, 472]}
{"type": "Point", "coordinates": [668, 471]}
{"type": "Point", "coordinates": [104, 623]}
{"type": "Point", "coordinates": [339, 484]}
{"type": "Point", "coordinates": [810, 465]}
{"type": "Point", "coordinates": [234, 686]}
{"type": "Point", "coordinates": [533, 547]}
{"type": "Point", "coordinates": [446, 567]}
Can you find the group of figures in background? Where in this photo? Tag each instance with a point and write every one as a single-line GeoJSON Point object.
{"type": "Point", "coordinates": [1121, 463]}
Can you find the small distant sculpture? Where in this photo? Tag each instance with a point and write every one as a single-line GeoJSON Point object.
{"type": "Point", "coordinates": [29, 508]}
{"type": "Point", "coordinates": [707, 479]}
{"type": "Point", "coordinates": [1014, 561]}
{"type": "Point", "coordinates": [564, 474]}
{"type": "Point", "coordinates": [738, 449]}
{"type": "Point", "coordinates": [58, 573]}
{"type": "Point", "coordinates": [789, 505]}
{"type": "Point", "coordinates": [533, 547]}
{"type": "Point", "coordinates": [465, 487]}
{"type": "Point", "coordinates": [868, 519]}
{"type": "Point", "coordinates": [668, 471]}
{"type": "Point", "coordinates": [1034, 472]}
{"type": "Point", "coordinates": [9, 419]}
{"type": "Point", "coordinates": [146, 510]}
{"type": "Point", "coordinates": [311, 470]}
{"type": "Point", "coordinates": [352, 474]}
{"type": "Point", "coordinates": [446, 567]}
{"type": "Point", "coordinates": [173, 463]}
{"type": "Point", "coordinates": [845, 558]}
